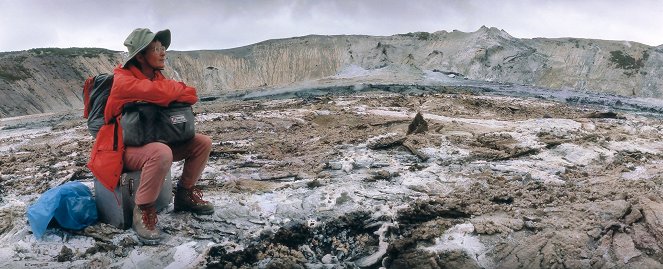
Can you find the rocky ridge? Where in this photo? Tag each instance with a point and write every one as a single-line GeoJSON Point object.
{"type": "Point", "coordinates": [49, 80]}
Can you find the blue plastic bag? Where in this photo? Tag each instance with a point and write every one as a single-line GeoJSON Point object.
{"type": "Point", "coordinates": [71, 204]}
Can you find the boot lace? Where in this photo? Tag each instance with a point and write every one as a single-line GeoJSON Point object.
{"type": "Point", "coordinates": [149, 218]}
{"type": "Point", "coordinates": [196, 195]}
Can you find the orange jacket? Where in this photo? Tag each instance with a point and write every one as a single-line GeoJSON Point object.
{"type": "Point", "coordinates": [129, 85]}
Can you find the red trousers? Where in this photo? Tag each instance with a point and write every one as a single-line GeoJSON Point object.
{"type": "Point", "coordinates": [154, 161]}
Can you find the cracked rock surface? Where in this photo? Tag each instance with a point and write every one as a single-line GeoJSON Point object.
{"type": "Point", "coordinates": [336, 181]}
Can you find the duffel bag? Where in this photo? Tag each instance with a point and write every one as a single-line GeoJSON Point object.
{"type": "Point", "coordinates": [144, 123]}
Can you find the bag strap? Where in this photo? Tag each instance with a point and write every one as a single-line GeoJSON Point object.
{"type": "Point", "coordinates": [89, 82]}
{"type": "Point", "coordinates": [115, 136]}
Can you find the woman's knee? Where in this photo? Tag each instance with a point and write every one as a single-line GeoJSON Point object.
{"type": "Point", "coordinates": [204, 142]}
{"type": "Point", "coordinates": [162, 155]}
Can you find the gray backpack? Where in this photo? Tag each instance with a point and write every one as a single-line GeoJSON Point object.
{"type": "Point", "coordinates": [95, 94]}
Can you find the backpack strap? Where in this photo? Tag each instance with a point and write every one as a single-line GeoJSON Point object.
{"type": "Point", "coordinates": [89, 82]}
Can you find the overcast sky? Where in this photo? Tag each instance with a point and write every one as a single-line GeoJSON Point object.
{"type": "Point", "coordinates": [208, 24]}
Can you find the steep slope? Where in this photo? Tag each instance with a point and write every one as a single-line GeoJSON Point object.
{"type": "Point", "coordinates": [48, 80]}
{"type": "Point", "coordinates": [274, 62]}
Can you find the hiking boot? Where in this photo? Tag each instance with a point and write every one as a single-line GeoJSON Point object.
{"type": "Point", "coordinates": [145, 224]}
{"type": "Point", "coordinates": [192, 200]}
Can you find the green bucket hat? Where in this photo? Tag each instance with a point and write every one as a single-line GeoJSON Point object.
{"type": "Point", "coordinates": [140, 38]}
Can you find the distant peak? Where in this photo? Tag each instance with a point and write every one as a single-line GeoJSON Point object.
{"type": "Point", "coordinates": [486, 29]}
{"type": "Point", "coordinates": [493, 32]}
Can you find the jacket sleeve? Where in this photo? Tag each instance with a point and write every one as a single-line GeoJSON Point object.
{"type": "Point", "coordinates": [127, 88]}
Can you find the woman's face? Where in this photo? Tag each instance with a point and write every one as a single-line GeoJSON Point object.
{"type": "Point", "coordinates": [155, 55]}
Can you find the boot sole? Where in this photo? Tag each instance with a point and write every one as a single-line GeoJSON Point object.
{"type": "Point", "coordinates": [149, 242]}
{"type": "Point", "coordinates": [206, 212]}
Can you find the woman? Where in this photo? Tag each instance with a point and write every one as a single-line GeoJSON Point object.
{"type": "Point", "coordinates": [140, 79]}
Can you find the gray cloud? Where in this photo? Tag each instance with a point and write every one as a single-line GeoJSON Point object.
{"type": "Point", "coordinates": [207, 24]}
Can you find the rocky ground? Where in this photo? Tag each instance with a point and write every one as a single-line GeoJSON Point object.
{"type": "Point", "coordinates": [360, 180]}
